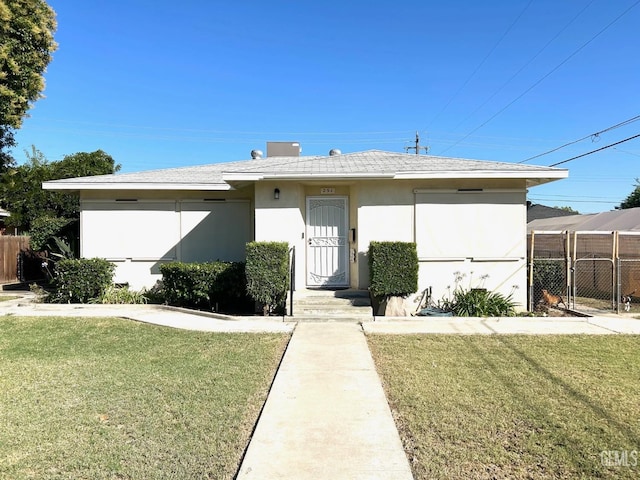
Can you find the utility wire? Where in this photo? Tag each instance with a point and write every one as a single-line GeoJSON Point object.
{"type": "Point", "coordinates": [525, 65]}
{"type": "Point", "coordinates": [594, 151]}
{"type": "Point", "coordinates": [593, 135]}
{"type": "Point", "coordinates": [627, 152]}
{"type": "Point", "coordinates": [553, 70]}
{"type": "Point", "coordinates": [568, 200]}
{"type": "Point", "coordinates": [466, 82]}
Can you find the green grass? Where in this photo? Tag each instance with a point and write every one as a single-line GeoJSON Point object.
{"type": "Point", "coordinates": [6, 298]}
{"type": "Point", "coordinates": [114, 399]}
{"type": "Point", "coordinates": [514, 407]}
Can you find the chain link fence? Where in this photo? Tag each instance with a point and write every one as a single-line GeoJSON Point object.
{"type": "Point", "coordinates": [548, 272]}
{"type": "Point", "coordinates": [628, 271]}
{"type": "Point", "coordinates": [585, 271]}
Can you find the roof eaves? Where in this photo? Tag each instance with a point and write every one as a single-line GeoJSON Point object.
{"type": "Point", "coordinates": [527, 174]}
{"type": "Point", "coordinates": [235, 176]}
{"type": "Point", "coordinates": [135, 186]}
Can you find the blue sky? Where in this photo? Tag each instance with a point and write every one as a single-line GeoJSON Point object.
{"type": "Point", "coordinates": [160, 84]}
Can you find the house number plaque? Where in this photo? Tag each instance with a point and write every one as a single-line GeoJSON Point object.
{"type": "Point", "coordinates": [327, 190]}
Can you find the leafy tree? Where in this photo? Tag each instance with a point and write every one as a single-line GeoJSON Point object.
{"type": "Point", "coordinates": [26, 30]}
{"type": "Point", "coordinates": [633, 199]}
{"type": "Point", "coordinates": [567, 209]}
{"type": "Point", "coordinates": [21, 187]}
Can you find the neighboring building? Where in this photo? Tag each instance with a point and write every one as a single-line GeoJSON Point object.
{"type": "Point", "coordinates": [3, 216]}
{"type": "Point", "coordinates": [625, 220]}
{"type": "Point", "coordinates": [465, 216]}
{"type": "Point", "coordinates": [535, 212]}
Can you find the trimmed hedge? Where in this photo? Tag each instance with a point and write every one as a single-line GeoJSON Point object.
{"type": "Point", "coordinates": [393, 268]}
{"type": "Point", "coordinates": [268, 274]}
{"type": "Point", "coordinates": [81, 280]}
{"type": "Point", "coordinates": [206, 285]}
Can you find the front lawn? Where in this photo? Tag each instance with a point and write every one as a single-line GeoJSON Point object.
{"type": "Point", "coordinates": [114, 399]}
{"type": "Point", "coordinates": [514, 407]}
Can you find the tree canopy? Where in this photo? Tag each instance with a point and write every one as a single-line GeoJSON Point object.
{"type": "Point", "coordinates": [21, 187]}
{"type": "Point", "coordinates": [26, 30]}
{"type": "Point", "coordinates": [567, 209]}
{"type": "Point", "coordinates": [633, 199]}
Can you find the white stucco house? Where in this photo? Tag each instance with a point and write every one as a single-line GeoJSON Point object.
{"type": "Point", "coordinates": [465, 216]}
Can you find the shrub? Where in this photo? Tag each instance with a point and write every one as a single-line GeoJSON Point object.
{"type": "Point", "coordinates": [53, 234]}
{"type": "Point", "coordinates": [120, 295]}
{"type": "Point", "coordinates": [155, 294]}
{"type": "Point", "coordinates": [187, 284]}
{"type": "Point", "coordinates": [229, 291]}
{"type": "Point", "coordinates": [81, 280]}
{"type": "Point", "coordinates": [204, 285]}
{"type": "Point", "coordinates": [267, 274]}
{"type": "Point", "coordinates": [479, 302]}
{"type": "Point", "coordinates": [393, 268]}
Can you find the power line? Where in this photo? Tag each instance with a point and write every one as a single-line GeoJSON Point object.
{"type": "Point", "coordinates": [593, 135]}
{"type": "Point", "coordinates": [627, 152]}
{"type": "Point", "coordinates": [526, 64]}
{"type": "Point", "coordinates": [553, 70]}
{"type": "Point", "coordinates": [568, 200]}
{"type": "Point", "coordinates": [594, 151]}
{"type": "Point", "coordinates": [466, 82]}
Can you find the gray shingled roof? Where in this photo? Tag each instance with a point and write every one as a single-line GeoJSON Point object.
{"type": "Point", "coordinates": [370, 163]}
{"type": "Point", "coordinates": [615, 220]}
{"type": "Point", "coordinates": [536, 212]}
{"type": "Point", "coordinates": [373, 161]}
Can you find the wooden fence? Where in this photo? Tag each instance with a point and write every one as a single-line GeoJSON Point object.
{"type": "Point", "coordinates": [10, 247]}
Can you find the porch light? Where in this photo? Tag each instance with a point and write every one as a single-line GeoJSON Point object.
{"type": "Point", "coordinates": [276, 194]}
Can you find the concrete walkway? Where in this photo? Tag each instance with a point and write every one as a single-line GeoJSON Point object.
{"type": "Point", "coordinates": [326, 416]}
{"type": "Point", "coordinates": [154, 314]}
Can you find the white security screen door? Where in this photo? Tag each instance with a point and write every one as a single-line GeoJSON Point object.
{"type": "Point", "coordinates": [327, 242]}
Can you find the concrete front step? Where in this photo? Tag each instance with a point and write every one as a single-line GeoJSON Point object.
{"type": "Point", "coordinates": [333, 301]}
{"type": "Point", "coordinates": [329, 314]}
{"type": "Point", "coordinates": [328, 319]}
{"type": "Point", "coordinates": [332, 304]}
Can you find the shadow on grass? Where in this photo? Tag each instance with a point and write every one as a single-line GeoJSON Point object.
{"type": "Point", "coordinates": [572, 392]}
{"type": "Point", "coordinates": [579, 397]}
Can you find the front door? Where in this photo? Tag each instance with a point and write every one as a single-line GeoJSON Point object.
{"type": "Point", "coordinates": [327, 242]}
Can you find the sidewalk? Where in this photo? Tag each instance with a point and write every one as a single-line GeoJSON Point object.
{"type": "Point", "coordinates": [600, 325]}
{"type": "Point", "coordinates": [326, 416]}
{"type": "Point", "coordinates": [153, 314]}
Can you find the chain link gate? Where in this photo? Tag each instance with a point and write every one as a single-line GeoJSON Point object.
{"type": "Point", "coordinates": [628, 269]}
{"type": "Point", "coordinates": [593, 279]}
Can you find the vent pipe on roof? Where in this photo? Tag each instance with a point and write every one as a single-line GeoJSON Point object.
{"type": "Point", "coordinates": [255, 154]}
{"type": "Point", "coordinates": [335, 151]}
